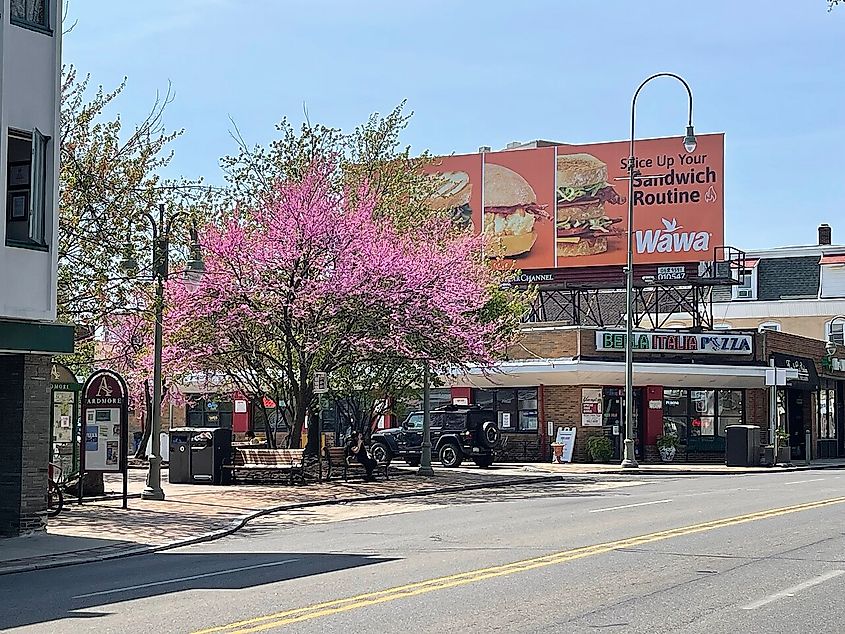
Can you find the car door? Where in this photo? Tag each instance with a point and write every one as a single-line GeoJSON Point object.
{"type": "Point", "coordinates": [410, 440]}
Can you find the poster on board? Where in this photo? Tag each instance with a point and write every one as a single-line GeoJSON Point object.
{"type": "Point", "coordinates": [591, 407]}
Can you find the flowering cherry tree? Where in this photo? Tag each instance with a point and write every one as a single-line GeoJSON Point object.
{"type": "Point", "coordinates": [312, 280]}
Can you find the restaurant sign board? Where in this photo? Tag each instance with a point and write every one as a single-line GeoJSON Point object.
{"type": "Point", "coordinates": [675, 343]}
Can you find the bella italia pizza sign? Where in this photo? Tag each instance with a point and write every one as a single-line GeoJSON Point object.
{"type": "Point", "coordinates": [679, 343]}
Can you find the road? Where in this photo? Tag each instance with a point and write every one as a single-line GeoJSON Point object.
{"type": "Point", "coordinates": [610, 554]}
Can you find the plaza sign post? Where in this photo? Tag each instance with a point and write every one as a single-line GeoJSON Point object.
{"type": "Point", "coordinates": [105, 424]}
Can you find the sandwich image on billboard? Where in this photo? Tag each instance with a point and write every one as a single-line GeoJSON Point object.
{"type": "Point", "coordinates": [454, 195]}
{"type": "Point", "coordinates": [588, 209]}
{"type": "Point", "coordinates": [511, 211]}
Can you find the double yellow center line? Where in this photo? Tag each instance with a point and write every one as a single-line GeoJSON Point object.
{"type": "Point", "coordinates": [328, 608]}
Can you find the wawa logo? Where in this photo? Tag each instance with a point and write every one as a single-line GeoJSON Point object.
{"type": "Point", "coordinates": [670, 239]}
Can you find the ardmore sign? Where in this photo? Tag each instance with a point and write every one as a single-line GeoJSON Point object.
{"type": "Point", "coordinates": [673, 342]}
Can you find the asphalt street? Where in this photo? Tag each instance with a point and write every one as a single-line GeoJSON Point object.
{"type": "Point", "coordinates": [605, 554]}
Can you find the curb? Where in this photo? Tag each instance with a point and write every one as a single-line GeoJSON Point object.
{"type": "Point", "coordinates": [647, 471]}
{"type": "Point", "coordinates": [242, 521]}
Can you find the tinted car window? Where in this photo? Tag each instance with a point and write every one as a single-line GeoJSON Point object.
{"type": "Point", "coordinates": [438, 419]}
{"type": "Point", "coordinates": [415, 421]}
{"type": "Point", "coordinates": [455, 421]}
{"type": "Point", "coordinates": [476, 419]}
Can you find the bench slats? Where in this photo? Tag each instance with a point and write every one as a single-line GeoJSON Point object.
{"type": "Point", "coordinates": [339, 464]}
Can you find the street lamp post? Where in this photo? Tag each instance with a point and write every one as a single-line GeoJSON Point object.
{"type": "Point", "coordinates": [425, 457]}
{"type": "Point", "coordinates": [629, 459]}
{"type": "Point", "coordinates": [161, 228]}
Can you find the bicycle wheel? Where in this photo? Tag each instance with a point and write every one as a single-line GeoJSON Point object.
{"type": "Point", "coordinates": [55, 499]}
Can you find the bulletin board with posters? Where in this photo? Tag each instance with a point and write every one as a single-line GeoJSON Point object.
{"type": "Point", "coordinates": [566, 205]}
{"type": "Point", "coordinates": [105, 413]}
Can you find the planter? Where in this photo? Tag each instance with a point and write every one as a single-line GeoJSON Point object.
{"type": "Point", "coordinates": [784, 455]}
{"type": "Point", "coordinates": [667, 454]}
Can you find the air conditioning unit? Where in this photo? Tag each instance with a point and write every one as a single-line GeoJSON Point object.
{"type": "Point", "coordinates": [744, 293]}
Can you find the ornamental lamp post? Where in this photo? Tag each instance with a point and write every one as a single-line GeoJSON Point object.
{"type": "Point", "coordinates": [425, 468]}
{"type": "Point", "coordinates": [161, 228]}
{"type": "Point", "coordinates": [629, 459]}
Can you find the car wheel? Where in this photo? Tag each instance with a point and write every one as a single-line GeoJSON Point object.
{"type": "Point", "coordinates": [413, 462]}
{"type": "Point", "coordinates": [483, 461]}
{"type": "Point", "coordinates": [380, 453]}
{"type": "Point", "coordinates": [450, 455]}
{"type": "Point", "coordinates": [490, 434]}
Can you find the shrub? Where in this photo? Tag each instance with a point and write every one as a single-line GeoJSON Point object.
{"type": "Point", "coordinates": [599, 448]}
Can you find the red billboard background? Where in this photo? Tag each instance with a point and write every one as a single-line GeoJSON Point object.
{"type": "Point", "coordinates": [580, 206]}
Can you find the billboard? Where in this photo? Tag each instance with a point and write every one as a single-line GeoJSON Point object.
{"type": "Point", "coordinates": [567, 205]}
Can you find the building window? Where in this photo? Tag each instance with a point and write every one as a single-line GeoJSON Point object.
{"type": "Point", "coordinates": [835, 331]}
{"type": "Point", "coordinates": [769, 325]}
{"type": "Point", "coordinates": [26, 185]}
{"type": "Point", "coordinates": [517, 410]}
{"type": "Point", "coordinates": [827, 411]}
{"type": "Point", "coordinates": [31, 13]}
{"type": "Point", "coordinates": [209, 412]}
{"type": "Point", "coordinates": [747, 287]}
{"type": "Point", "coordinates": [690, 412]}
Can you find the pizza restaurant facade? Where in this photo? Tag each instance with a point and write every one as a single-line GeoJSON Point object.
{"type": "Point", "coordinates": [692, 384]}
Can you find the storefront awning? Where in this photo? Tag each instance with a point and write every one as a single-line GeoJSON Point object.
{"type": "Point", "coordinates": [569, 371]}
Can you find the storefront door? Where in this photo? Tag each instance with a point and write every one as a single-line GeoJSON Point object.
{"type": "Point", "coordinates": [795, 421]}
{"type": "Point", "coordinates": [614, 417]}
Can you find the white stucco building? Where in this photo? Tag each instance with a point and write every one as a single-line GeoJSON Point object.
{"type": "Point", "coordinates": [30, 92]}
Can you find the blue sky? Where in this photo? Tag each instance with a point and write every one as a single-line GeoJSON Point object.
{"type": "Point", "coordinates": [771, 75]}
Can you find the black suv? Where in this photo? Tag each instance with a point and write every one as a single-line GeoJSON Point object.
{"type": "Point", "coordinates": [457, 432]}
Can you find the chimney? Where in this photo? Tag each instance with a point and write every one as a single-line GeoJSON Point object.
{"type": "Point", "coordinates": [824, 234]}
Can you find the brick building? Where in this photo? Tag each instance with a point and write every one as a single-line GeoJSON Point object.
{"type": "Point", "coordinates": [694, 384]}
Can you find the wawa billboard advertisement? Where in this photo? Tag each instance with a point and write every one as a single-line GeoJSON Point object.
{"type": "Point", "coordinates": [567, 206]}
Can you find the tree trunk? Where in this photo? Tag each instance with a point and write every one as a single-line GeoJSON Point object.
{"type": "Point", "coordinates": [312, 447]}
{"type": "Point", "coordinates": [141, 452]}
{"type": "Point", "coordinates": [295, 438]}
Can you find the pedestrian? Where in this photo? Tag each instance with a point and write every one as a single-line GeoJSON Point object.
{"type": "Point", "coordinates": [356, 450]}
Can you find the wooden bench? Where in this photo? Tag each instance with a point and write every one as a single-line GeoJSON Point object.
{"type": "Point", "coordinates": [289, 461]}
{"type": "Point", "coordinates": [337, 464]}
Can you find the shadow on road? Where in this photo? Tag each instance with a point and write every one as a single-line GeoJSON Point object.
{"type": "Point", "coordinates": [80, 592]}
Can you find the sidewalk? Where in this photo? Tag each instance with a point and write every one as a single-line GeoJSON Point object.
{"type": "Point", "coordinates": [99, 530]}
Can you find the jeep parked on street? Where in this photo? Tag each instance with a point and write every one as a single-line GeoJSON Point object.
{"type": "Point", "coordinates": [457, 432]}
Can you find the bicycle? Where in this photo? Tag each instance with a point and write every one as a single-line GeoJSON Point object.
{"type": "Point", "coordinates": [55, 499]}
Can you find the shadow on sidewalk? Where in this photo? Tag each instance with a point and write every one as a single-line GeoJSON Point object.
{"type": "Point", "coordinates": [68, 593]}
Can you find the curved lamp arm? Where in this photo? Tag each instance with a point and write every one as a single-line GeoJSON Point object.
{"type": "Point", "coordinates": [689, 139]}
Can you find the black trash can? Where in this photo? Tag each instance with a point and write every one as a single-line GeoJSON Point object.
{"type": "Point", "coordinates": [210, 450]}
{"type": "Point", "coordinates": [197, 455]}
{"type": "Point", "coordinates": [742, 446]}
{"type": "Point", "coordinates": [179, 470]}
